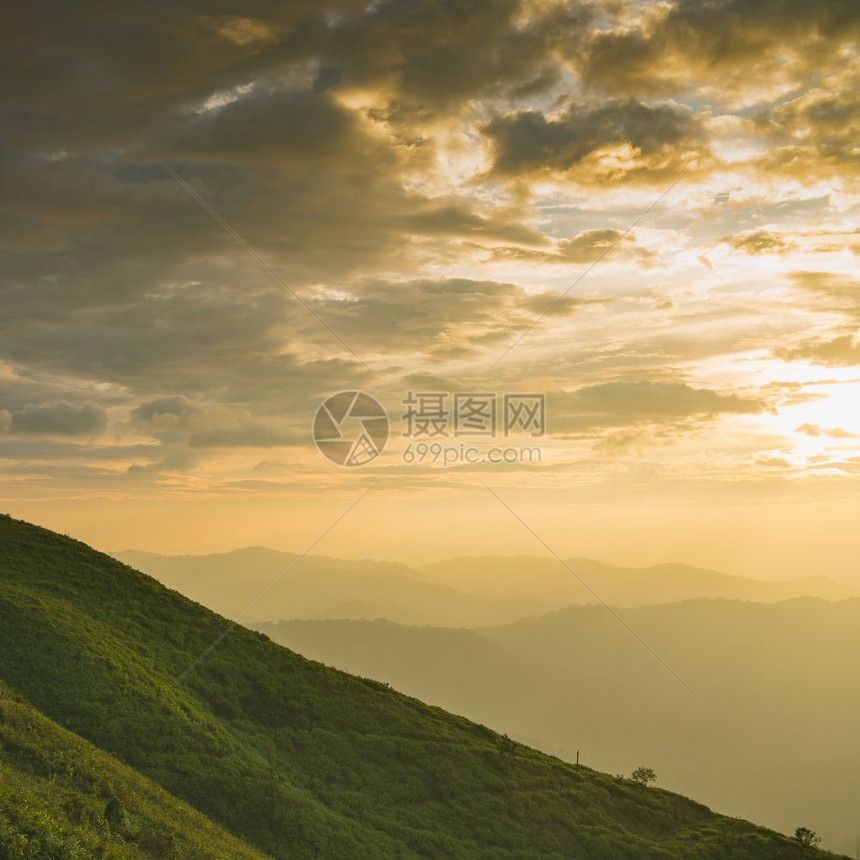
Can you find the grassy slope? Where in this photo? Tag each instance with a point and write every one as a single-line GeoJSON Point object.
{"type": "Point", "coordinates": [298, 759]}
{"type": "Point", "coordinates": [63, 798]}
{"type": "Point", "coordinates": [770, 735]}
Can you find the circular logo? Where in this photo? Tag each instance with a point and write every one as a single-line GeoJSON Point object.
{"type": "Point", "coordinates": [350, 428]}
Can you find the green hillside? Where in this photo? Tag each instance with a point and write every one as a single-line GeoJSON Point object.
{"type": "Point", "coordinates": [297, 759]}
{"type": "Point", "coordinates": [770, 736]}
{"type": "Point", "coordinates": [63, 798]}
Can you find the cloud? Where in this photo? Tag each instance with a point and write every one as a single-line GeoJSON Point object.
{"type": "Point", "coordinates": [435, 315]}
{"type": "Point", "coordinates": [842, 351]}
{"type": "Point", "coordinates": [61, 418]}
{"type": "Point", "coordinates": [413, 171]}
{"type": "Point", "coordinates": [174, 458]}
{"type": "Point", "coordinates": [642, 402]}
{"type": "Point", "coordinates": [278, 128]}
{"type": "Point", "coordinates": [90, 89]}
{"type": "Point", "coordinates": [759, 242]}
{"type": "Point", "coordinates": [455, 219]}
{"type": "Point", "coordinates": [555, 304]}
{"type": "Point", "coordinates": [832, 291]}
{"type": "Point", "coordinates": [430, 382]}
{"type": "Point", "coordinates": [590, 245]}
{"type": "Point", "coordinates": [768, 462]}
{"type": "Point", "coordinates": [816, 132]}
{"type": "Point", "coordinates": [219, 328]}
{"type": "Point", "coordinates": [176, 420]}
{"type": "Point", "coordinates": [725, 48]}
{"type": "Point", "coordinates": [615, 140]}
{"type": "Point", "coordinates": [622, 441]}
{"type": "Point", "coordinates": [801, 74]}
{"type": "Point", "coordinates": [832, 432]}
{"type": "Point", "coordinates": [587, 246]}
{"type": "Point", "coordinates": [172, 408]}
{"type": "Point", "coordinates": [242, 31]}
{"type": "Point", "coordinates": [244, 431]}
{"type": "Point", "coordinates": [434, 55]}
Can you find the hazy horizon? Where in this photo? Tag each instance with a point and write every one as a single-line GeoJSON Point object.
{"type": "Point", "coordinates": [764, 548]}
{"type": "Point", "coordinates": [430, 561]}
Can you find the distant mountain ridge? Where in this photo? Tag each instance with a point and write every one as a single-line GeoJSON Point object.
{"type": "Point", "coordinates": [464, 592]}
{"type": "Point", "coordinates": [670, 582]}
{"type": "Point", "coordinates": [321, 587]}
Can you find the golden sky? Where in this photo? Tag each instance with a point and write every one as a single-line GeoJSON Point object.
{"type": "Point", "coordinates": [429, 178]}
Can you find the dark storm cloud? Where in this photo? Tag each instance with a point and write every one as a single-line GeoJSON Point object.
{"type": "Point", "coordinates": [528, 142]}
{"type": "Point", "coordinates": [110, 90]}
{"type": "Point", "coordinates": [438, 53]}
{"type": "Point", "coordinates": [276, 127]}
{"type": "Point", "coordinates": [102, 77]}
{"type": "Point", "coordinates": [163, 299]}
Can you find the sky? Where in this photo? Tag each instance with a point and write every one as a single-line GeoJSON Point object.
{"type": "Point", "coordinates": [213, 218]}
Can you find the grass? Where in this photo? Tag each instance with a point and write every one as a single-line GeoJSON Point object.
{"type": "Point", "coordinates": [65, 799]}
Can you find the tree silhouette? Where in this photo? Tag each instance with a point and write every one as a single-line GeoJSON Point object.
{"type": "Point", "coordinates": [807, 838]}
{"type": "Point", "coordinates": [643, 775]}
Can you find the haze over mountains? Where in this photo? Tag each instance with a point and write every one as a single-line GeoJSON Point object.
{"type": "Point", "coordinates": [322, 587]}
{"type": "Point", "coordinates": [509, 642]}
{"type": "Point", "coordinates": [770, 734]}
{"type": "Point", "coordinates": [464, 592]}
{"type": "Point", "coordinates": [295, 759]}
